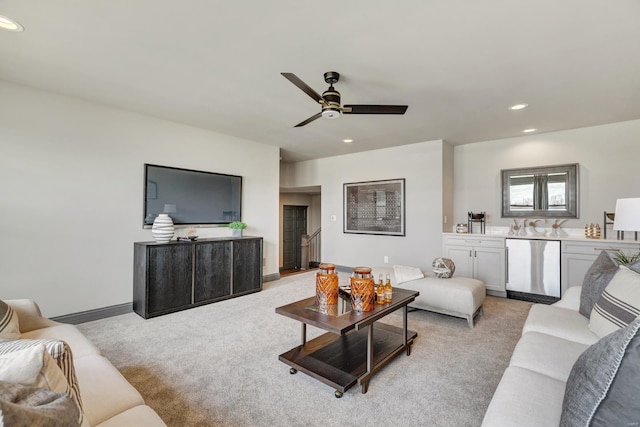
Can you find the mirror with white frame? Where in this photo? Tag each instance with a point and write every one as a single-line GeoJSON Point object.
{"type": "Point", "coordinates": [540, 192]}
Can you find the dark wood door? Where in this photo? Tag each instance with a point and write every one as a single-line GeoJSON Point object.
{"type": "Point", "coordinates": [247, 265]}
{"type": "Point", "coordinates": [213, 271]}
{"type": "Point", "coordinates": [294, 225]}
{"type": "Point", "coordinates": [169, 277]}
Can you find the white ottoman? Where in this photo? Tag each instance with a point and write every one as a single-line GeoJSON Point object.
{"type": "Point", "coordinates": [457, 296]}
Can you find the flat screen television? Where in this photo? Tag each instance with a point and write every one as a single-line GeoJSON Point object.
{"type": "Point", "coordinates": [191, 197]}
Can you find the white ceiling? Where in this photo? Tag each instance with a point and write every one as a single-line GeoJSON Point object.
{"type": "Point", "coordinates": [458, 64]}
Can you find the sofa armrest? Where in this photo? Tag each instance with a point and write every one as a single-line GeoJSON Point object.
{"type": "Point", "coordinates": [29, 316]}
{"type": "Point", "coordinates": [570, 299]}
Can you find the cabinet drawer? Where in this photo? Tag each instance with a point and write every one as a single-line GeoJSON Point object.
{"type": "Point", "coordinates": [471, 240]}
{"type": "Point", "coordinates": [595, 247]}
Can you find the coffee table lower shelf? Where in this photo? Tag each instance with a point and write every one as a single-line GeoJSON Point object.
{"type": "Point", "coordinates": [340, 361]}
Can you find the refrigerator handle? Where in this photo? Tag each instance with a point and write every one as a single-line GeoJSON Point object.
{"type": "Point", "coordinates": [507, 262]}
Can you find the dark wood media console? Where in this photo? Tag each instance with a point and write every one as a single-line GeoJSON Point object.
{"type": "Point", "coordinates": [180, 275]}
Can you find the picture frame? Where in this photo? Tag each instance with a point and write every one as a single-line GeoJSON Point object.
{"type": "Point", "coordinates": [374, 207]}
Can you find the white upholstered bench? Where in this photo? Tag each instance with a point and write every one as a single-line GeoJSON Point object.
{"type": "Point", "coordinates": [456, 296]}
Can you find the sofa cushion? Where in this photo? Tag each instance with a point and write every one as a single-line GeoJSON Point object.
{"type": "Point", "coordinates": [595, 281]}
{"type": "Point", "coordinates": [61, 354]}
{"type": "Point", "coordinates": [141, 415]}
{"type": "Point", "coordinates": [618, 305]}
{"type": "Point", "coordinates": [80, 345]}
{"type": "Point", "coordinates": [105, 392]}
{"type": "Point", "coordinates": [603, 387]}
{"type": "Point", "coordinates": [532, 352]}
{"type": "Point", "coordinates": [525, 399]}
{"type": "Point", "coordinates": [22, 405]}
{"type": "Point", "coordinates": [9, 327]}
{"type": "Point", "coordinates": [559, 322]}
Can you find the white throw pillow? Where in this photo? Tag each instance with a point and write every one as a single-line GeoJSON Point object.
{"type": "Point", "coordinates": [619, 304]}
{"type": "Point", "coordinates": [405, 274]}
{"type": "Point", "coordinates": [33, 367]}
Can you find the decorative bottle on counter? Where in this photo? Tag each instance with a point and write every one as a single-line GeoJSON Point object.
{"type": "Point", "coordinates": [388, 290]}
{"type": "Point", "coordinates": [380, 295]}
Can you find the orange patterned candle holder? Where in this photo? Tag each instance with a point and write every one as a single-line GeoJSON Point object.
{"type": "Point", "coordinates": [363, 293]}
{"type": "Point", "coordinates": [327, 285]}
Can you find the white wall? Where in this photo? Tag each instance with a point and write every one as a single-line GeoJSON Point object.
{"type": "Point", "coordinates": [71, 181]}
{"type": "Point", "coordinates": [420, 164]}
{"type": "Point", "coordinates": [609, 158]}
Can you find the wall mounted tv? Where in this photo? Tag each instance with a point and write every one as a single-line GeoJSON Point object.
{"type": "Point", "coordinates": [191, 197]}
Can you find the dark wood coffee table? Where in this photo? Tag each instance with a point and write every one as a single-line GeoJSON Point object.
{"type": "Point", "coordinates": [355, 346]}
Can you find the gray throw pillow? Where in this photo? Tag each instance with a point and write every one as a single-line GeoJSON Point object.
{"type": "Point", "coordinates": [35, 407]}
{"type": "Point", "coordinates": [595, 281]}
{"type": "Point", "coordinates": [603, 387]}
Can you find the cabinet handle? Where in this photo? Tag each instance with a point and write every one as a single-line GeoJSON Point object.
{"type": "Point", "coordinates": [506, 252]}
{"type": "Point", "coordinates": [469, 253]}
{"type": "Point", "coordinates": [607, 249]}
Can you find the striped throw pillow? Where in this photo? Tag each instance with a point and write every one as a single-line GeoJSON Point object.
{"type": "Point", "coordinates": [619, 304]}
{"type": "Point", "coordinates": [9, 328]}
{"type": "Point", "coordinates": [61, 354]}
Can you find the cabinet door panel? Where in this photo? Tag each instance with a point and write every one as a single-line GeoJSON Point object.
{"type": "Point", "coordinates": [169, 277]}
{"type": "Point", "coordinates": [247, 265]}
{"type": "Point", "coordinates": [489, 267]}
{"type": "Point", "coordinates": [213, 271]}
{"type": "Point", "coordinates": [461, 257]}
{"type": "Point", "coordinates": [575, 268]}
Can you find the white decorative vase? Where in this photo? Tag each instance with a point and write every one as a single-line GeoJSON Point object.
{"type": "Point", "coordinates": [162, 229]}
{"type": "Point", "coordinates": [236, 232]}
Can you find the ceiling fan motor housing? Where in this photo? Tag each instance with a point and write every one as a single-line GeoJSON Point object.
{"type": "Point", "coordinates": [331, 105]}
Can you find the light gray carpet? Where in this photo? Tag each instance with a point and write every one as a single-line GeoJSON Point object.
{"type": "Point", "coordinates": [217, 365]}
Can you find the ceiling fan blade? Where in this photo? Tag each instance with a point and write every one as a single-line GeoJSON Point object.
{"type": "Point", "coordinates": [309, 120]}
{"type": "Point", "coordinates": [302, 86]}
{"type": "Point", "coordinates": [374, 109]}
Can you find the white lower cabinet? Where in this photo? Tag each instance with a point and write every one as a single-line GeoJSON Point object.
{"type": "Point", "coordinates": [577, 256]}
{"type": "Point", "coordinates": [480, 258]}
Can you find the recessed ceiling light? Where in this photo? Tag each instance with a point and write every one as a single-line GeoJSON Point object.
{"type": "Point", "coordinates": [347, 141]}
{"type": "Point", "coordinates": [518, 106]}
{"type": "Point", "coordinates": [529, 130]}
{"type": "Point", "coordinates": [10, 24]}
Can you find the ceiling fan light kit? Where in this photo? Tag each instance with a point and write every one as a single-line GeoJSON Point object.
{"type": "Point", "coordinates": [331, 102]}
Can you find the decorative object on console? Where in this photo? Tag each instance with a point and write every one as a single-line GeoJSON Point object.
{"type": "Point", "coordinates": [236, 228]}
{"type": "Point", "coordinates": [532, 227]}
{"type": "Point", "coordinates": [603, 386]}
{"type": "Point", "coordinates": [523, 228]}
{"type": "Point", "coordinates": [592, 231]}
{"type": "Point", "coordinates": [363, 293]}
{"type": "Point", "coordinates": [162, 229]}
{"type": "Point", "coordinates": [326, 285]}
{"type": "Point", "coordinates": [608, 219]}
{"type": "Point", "coordinates": [627, 217]}
{"type": "Point", "coordinates": [443, 268]}
{"type": "Point", "coordinates": [462, 228]}
{"type": "Point", "coordinates": [556, 230]}
{"type": "Point", "coordinates": [476, 217]}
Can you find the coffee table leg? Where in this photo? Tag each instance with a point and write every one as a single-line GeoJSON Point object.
{"type": "Point", "coordinates": [304, 333]}
{"type": "Point", "coordinates": [365, 384]}
{"type": "Point", "coordinates": [405, 329]}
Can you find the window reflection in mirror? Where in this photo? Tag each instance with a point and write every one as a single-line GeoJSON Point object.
{"type": "Point", "coordinates": [543, 192]}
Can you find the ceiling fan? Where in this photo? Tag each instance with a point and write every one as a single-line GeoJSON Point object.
{"type": "Point", "coordinates": [330, 100]}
